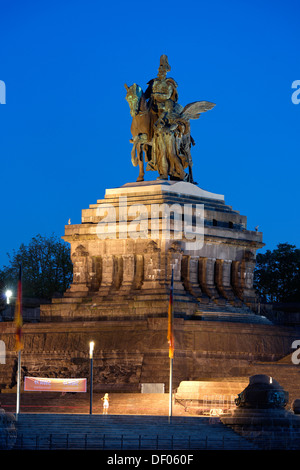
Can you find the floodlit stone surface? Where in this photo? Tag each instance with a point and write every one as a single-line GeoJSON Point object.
{"type": "Point", "coordinates": [127, 274]}
{"type": "Point", "coordinates": [120, 297]}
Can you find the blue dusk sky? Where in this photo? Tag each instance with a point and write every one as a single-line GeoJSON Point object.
{"type": "Point", "coordinates": [65, 127]}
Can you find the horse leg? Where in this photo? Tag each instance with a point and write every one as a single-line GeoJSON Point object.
{"type": "Point", "coordinates": [141, 162]}
{"type": "Point", "coordinates": [134, 158]}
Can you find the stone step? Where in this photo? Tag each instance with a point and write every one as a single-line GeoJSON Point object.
{"type": "Point", "coordinates": [228, 312]}
{"type": "Point", "coordinates": [221, 316]}
{"type": "Point", "coordinates": [124, 432]}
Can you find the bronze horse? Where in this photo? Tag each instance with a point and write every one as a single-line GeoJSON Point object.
{"type": "Point", "coordinates": [141, 127]}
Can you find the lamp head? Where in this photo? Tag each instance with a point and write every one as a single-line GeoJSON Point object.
{"type": "Point", "coordinates": [92, 344]}
{"type": "Point", "coordinates": [8, 295]}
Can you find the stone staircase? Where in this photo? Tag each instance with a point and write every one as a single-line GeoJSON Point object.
{"type": "Point", "coordinates": [229, 313]}
{"type": "Point", "coordinates": [69, 431]}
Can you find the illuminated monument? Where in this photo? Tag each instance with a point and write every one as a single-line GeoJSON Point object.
{"type": "Point", "coordinates": [127, 244]}
{"type": "Point", "coordinates": [123, 254]}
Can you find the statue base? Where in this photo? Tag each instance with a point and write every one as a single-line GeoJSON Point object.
{"type": "Point", "coordinates": [120, 296]}
{"type": "Point", "coordinates": [128, 243]}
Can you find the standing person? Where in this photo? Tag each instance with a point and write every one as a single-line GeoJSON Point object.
{"type": "Point", "coordinates": [105, 400]}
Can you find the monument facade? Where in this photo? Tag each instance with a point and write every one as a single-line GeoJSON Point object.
{"type": "Point", "coordinates": [124, 252]}
{"type": "Point", "coordinates": [121, 270]}
{"type": "Point", "coordinates": [128, 243]}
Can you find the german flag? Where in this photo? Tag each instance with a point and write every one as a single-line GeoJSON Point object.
{"type": "Point", "coordinates": [18, 314]}
{"type": "Point", "coordinates": [170, 322]}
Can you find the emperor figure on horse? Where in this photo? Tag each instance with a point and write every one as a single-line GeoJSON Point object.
{"type": "Point", "coordinates": [160, 127]}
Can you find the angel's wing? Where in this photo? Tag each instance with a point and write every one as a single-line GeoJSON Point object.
{"type": "Point", "coordinates": [193, 110]}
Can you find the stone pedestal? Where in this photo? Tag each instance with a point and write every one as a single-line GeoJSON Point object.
{"type": "Point", "coordinates": [127, 244]}
{"type": "Point", "coordinates": [119, 297]}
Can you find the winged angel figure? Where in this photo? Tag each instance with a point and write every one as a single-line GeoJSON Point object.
{"type": "Point", "coordinates": [164, 138]}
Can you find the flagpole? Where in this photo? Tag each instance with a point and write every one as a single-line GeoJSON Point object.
{"type": "Point", "coordinates": [18, 384]}
{"type": "Point", "coordinates": [170, 387]}
{"type": "Point", "coordinates": [171, 345]}
{"type": "Point", "coordinates": [19, 342]}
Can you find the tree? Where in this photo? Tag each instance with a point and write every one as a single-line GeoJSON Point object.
{"type": "Point", "coordinates": [46, 268]}
{"type": "Point", "coordinates": [277, 274]}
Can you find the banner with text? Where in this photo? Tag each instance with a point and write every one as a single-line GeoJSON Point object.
{"type": "Point", "coordinates": [44, 384]}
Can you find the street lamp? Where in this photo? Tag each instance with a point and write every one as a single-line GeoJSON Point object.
{"type": "Point", "coordinates": [8, 295]}
{"type": "Point", "coordinates": [92, 344]}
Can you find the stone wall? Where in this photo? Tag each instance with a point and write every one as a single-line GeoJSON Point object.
{"type": "Point", "coordinates": [135, 352]}
{"type": "Point", "coordinates": [124, 269]}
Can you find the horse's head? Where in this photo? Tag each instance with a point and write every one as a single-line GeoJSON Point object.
{"type": "Point", "coordinates": [133, 97]}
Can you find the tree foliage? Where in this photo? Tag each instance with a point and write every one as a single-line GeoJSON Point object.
{"type": "Point", "coordinates": [277, 274]}
{"type": "Point", "coordinates": [46, 268]}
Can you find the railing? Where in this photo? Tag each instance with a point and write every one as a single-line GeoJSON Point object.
{"type": "Point", "coordinates": [218, 404]}
{"type": "Point", "coordinates": [158, 442]}
{"type": "Point", "coordinates": [210, 405]}
{"type": "Point", "coordinates": [122, 442]}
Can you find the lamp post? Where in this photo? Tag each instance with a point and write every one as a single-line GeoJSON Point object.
{"type": "Point", "coordinates": [8, 295]}
{"type": "Point", "coordinates": [92, 344]}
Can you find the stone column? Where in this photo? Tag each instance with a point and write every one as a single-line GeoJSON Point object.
{"type": "Point", "coordinates": [108, 273]}
{"type": "Point", "coordinates": [223, 278]}
{"type": "Point", "coordinates": [80, 272]}
{"type": "Point", "coordinates": [236, 279]}
{"type": "Point", "coordinates": [207, 277]}
{"type": "Point", "coordinates": [190, 275]}
{"type": "Point", "coordinates": [249, 295]}
{"type": "Point", "coordinates": [94, 264]}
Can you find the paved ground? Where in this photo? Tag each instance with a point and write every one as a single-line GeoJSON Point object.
{"type": "Point", "coordinates": [120, 403]}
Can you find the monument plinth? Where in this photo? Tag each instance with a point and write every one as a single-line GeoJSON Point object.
{"type": "Point", "coordinates": [128, 243]}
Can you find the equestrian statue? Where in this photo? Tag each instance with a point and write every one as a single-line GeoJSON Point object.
{"type": "Point", "coordinates": [160, 127]}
